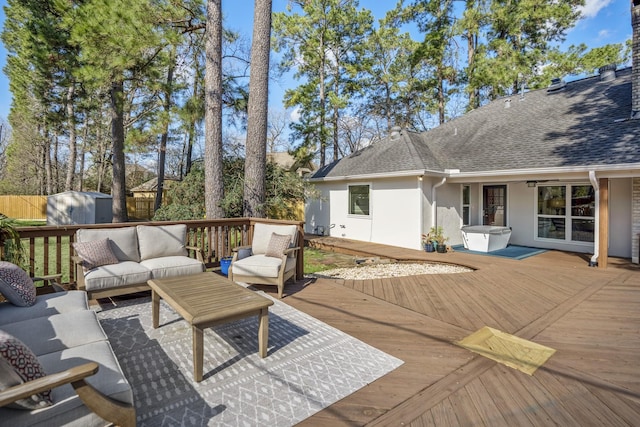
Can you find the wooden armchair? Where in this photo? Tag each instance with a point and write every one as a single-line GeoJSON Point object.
{"type": "Point", "coordinates": [255, 263]}
{"type": "Point", "coordinates": [109, 409]}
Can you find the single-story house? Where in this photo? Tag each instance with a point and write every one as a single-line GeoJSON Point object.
{"type": "Point", "coordinates": [559, 166]}
{"type": "Point", "coordinates": [288, 162]}
{"type": "Point", "coordinates": [149, 188]}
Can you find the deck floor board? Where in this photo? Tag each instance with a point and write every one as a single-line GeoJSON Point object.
{"type": "Point", "coordinates": [590, 316]}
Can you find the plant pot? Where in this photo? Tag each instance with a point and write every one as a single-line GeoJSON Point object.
{"type": "Point", "coordinates": [428, 247]}
{"type": "Point", "coordinates": [442, 249]}
{"type": "Point", "coordinates": [224, 265]}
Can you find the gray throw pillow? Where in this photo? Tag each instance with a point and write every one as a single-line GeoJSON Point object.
{"type": "Point", "coordinates": [18, 365]}
{"type": "Point", "coordinates": [16, 285]}
{"type": "Point", "coordinates": [277, 245]}
{"type": "Point", "coordinates": [95, 253]}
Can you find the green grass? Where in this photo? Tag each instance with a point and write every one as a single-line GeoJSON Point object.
{"type": "Point", "coordinates": [30, 222]}
{"type": "Point", "coordinates": [318, 260]}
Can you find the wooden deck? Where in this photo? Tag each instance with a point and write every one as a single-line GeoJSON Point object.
{"type": "Point", "coordinates": [590, 316]}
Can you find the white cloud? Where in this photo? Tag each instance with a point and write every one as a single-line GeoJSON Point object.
{"type": "Point", "coordinates": [295, 114]}
{"type": "Point", "coordinates": [603, 34]}
{"type": "Point", "coordinates": [592, 7]}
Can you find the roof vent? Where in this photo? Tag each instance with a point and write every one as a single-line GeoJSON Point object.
{"type": "Point", "coordinates": [607, 73]}
{"type": "Point", "coordinates": [556, 85]}
{"type": "Point", "coordinates": [507, 103]}
{"type": "Point", "coordinates": [395, 133]}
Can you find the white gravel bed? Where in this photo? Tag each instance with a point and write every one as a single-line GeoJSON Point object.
{"type": "Point", "coordinates": [380, 271]}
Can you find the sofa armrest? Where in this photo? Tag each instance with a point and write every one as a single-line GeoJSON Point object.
{"type": "Point", "coordinates": [236, 252]}
{"type": "Point", "coordinates": [291, 250]}
{"type": "Point", "coordinates": [111, 410]}
{"type": "Point", "coordinates": [198, 251]}
{"type": "Point", "coordinates": [77, 261]}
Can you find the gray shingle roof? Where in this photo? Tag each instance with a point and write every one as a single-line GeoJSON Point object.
{"type": "Point", "coordinates": [584, 124]}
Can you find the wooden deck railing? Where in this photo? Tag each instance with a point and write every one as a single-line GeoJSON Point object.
{"type": "Point", "coordinates": [49, 248]}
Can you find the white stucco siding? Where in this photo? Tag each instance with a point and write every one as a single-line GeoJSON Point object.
{"type": "Point", "coordinates": [449, 211]}
{"type": "Point", "coordinates": [397, 212]}
{"type": "Point", "coordinates": [620, 238]}
{"type": "Point", "coordinates": [521, 211]}
{"type": "Point", "coordinates": [317, 212]}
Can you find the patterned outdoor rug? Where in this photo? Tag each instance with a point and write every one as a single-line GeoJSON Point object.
{"type": "Point", "coordinates": [310, 365]}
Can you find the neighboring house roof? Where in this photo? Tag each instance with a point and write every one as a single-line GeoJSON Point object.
{"type": "Point", "coordinates": [152, 184]}
{"type": "Point", "coordinates": [585, 124]}
{"type": "Point", "coordinates": [287, 161]}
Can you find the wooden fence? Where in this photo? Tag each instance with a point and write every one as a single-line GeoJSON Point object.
{"type": "Point", "coordinates": [24, 207]}
{"type": "Point", "coordinates": [35, 207]}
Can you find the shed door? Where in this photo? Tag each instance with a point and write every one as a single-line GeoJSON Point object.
{"type": "Point", "coordinates": [494, 208]}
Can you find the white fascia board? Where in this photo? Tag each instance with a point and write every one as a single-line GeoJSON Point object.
{"type": "Point", "coordinates": [399, 174]}
{"type": "Point", "coordinates": [603, 171]}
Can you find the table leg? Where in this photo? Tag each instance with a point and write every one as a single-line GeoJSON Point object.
{"type": "Point", "coordinates": [198, 353]}
{"type": "Point", "coordinates": [155, 308]}
{"type": "Point", "coordinates": [263, 332]}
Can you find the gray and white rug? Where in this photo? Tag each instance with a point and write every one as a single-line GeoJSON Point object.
{"type": "Point", "coordinates": [309, 366]}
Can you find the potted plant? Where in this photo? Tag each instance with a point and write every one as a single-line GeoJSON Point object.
{"type": "Point", "coordinates": [10, 244]}
{"type": "Point", "coordinates": [438, 237]}
{"type": "Point", "coordinates": [427, 243]}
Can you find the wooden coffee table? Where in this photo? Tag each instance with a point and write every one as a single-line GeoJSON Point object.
{"type": "Point", "coordinates": [205, 300]}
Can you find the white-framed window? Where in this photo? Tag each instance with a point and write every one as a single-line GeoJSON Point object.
{"type": "Point", "coordinates": [359, 199]}
{"type": "Point", "coordinates": [566, 212]}
{"type": "Point", "coordinates": [466, 205]}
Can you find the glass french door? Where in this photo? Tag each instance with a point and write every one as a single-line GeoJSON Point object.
{"type": "Point", "coordinates": [494, 205]}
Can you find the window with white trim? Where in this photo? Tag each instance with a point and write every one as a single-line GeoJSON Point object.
{"type": "Point", "coordinates": [359, 200]}
{"type": "Point", "coordinates": [466, 205]}
{"type": "Point", "coordinates": [566, 212]}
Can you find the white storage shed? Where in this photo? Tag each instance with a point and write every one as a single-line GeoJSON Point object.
{"type": "Point", "coordinates": [79, 207]}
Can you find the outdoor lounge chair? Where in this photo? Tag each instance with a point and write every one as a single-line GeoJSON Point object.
{"type": "Point", "coordinates": [271, 259]}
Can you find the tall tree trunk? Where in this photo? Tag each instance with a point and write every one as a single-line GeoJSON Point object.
{"type": "Point", "coordinates": [83, 152]}
{"type": "Point", "coordinates": [336, 117]}
{"type": "Point", "coordinates": [118, 185]}
{"type": "Point", "coordinates": [256, 145]}
{"type": "Point", "coordinates": [71, 166]}
{"type": "Point", "coordinates": [323, 108]}
{"type": "Point", "coordinates": [165, 134]}
{"type": "Point", "coordinates": [214, 190]}
{"type": "Point", "coordinates": [192, 135]}
{"type": "Point", "coordinates": [101, 160]}
{"type": "Point", "coordinates": [55, 165]}
{"type": "Point", "coordinates": [474, 93]}
{"type": "Point", "coordinates": [442, 99]}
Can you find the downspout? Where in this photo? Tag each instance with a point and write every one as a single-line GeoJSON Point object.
{"type": "Point", "coordinates": [596, 237]}
{"type": "Point", "coordinates": [434, 204]}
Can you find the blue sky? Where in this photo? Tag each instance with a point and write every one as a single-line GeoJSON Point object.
{"type": "Point", "coordinates": [604, 22]}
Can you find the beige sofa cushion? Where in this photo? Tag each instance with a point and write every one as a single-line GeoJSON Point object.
{"type": "Point", "coordinates": [261, 266]}
{"type": "Point", "coordinates": [116, 275]}
{"type": "Point", "coordinates": [172, 266]}
{"type": "Point", "coordinates": [162, 241]}
{"type": "Point", "coordinates": [124, 241]}
{"type": "Point", "coordinates": [262, 235]}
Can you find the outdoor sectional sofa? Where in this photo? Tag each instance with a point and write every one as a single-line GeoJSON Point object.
{"type": "Point", "coordinates": [53, 347]}
{"type": "Point", "coordinates": [117, 261]}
